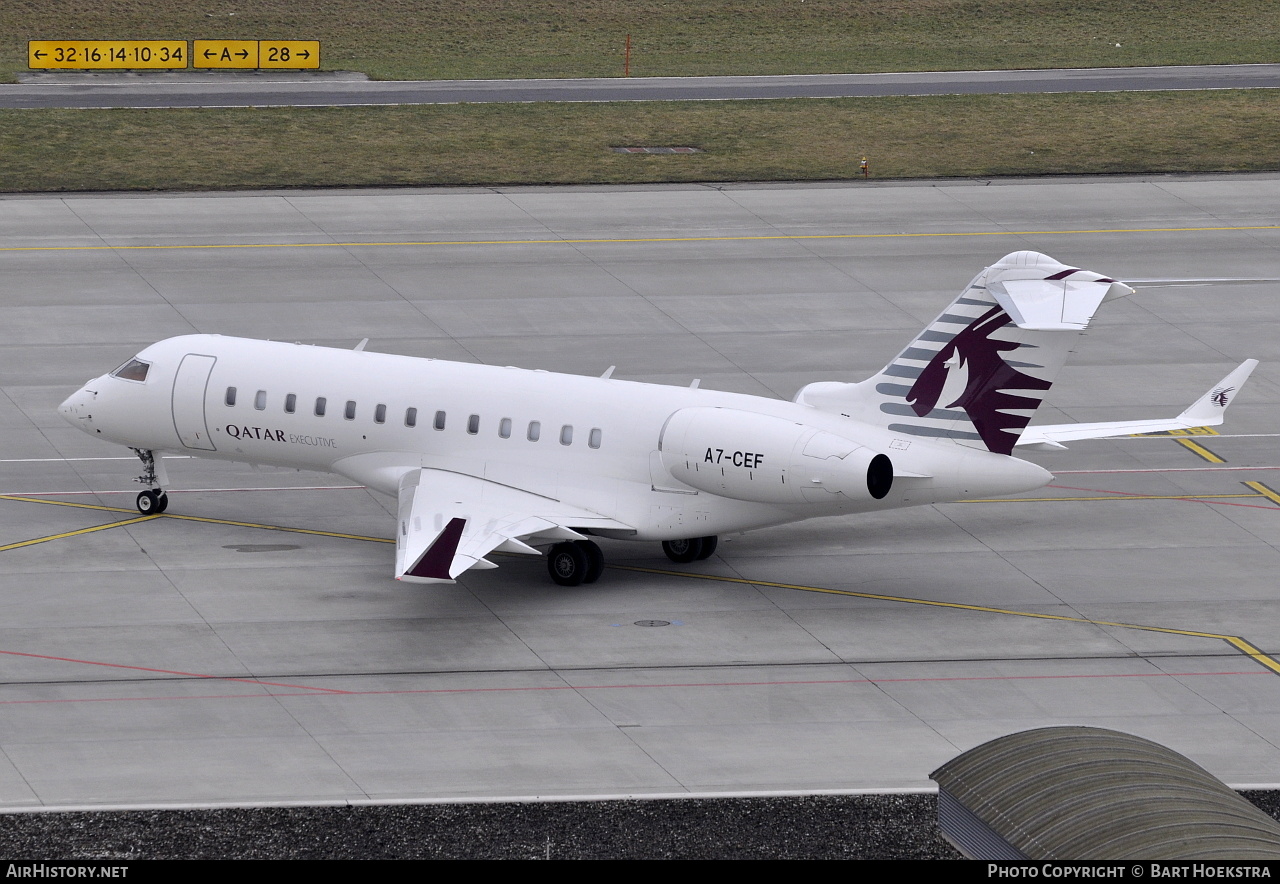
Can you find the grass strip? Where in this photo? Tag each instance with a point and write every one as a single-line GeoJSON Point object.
{"type": "Point", "coordinates": [508, 144]}
{"type": "Point", "coordinates": [435, 39]}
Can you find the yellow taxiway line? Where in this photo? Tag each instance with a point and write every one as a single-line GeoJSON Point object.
{"type": "Point", "coordinates": [1240, 644]}
{"type": "Point", "coordinates": [1199, 450]}
{"type": "Point", "coordinates": [116, 509]}
{"type": "Point", "coordinates": [1234, 640]}
{"type": "Point", "coordinates": [1264, 491]}
{"type": "Point", "coordinates": [82, 506]}
{"type": "Point", "coordinates": [1112, 497]}
{"type": "Point", "coordinates": [120, 524]}
{"type": "Point", "coordinates": [236, 524]}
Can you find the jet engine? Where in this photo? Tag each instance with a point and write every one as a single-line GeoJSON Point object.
{"type": "Point", "coordinates": [766, 459]}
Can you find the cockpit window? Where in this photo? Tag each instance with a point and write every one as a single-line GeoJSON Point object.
{"type": "Point", "coordinates": [133, 370]}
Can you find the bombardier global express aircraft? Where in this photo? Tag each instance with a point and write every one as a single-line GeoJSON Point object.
{"type": "Point", "coordinates": [485, 459]}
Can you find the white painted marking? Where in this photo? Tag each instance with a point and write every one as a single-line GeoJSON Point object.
{"type": "Point", "coordinates": [1168, 470]}
{"type": "Point", "coordinates": [188, 490]}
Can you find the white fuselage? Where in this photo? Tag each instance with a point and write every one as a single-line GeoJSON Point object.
{"type": "Point", "coordinates": [597, 442]}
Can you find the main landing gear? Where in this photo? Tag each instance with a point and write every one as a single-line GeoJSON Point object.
{"type": "Point", "coordinates": [153, 500]}
{"type": "Point", "coordinates": [691, 549]}
{"type": "Point", "coordinates": [574, 562]}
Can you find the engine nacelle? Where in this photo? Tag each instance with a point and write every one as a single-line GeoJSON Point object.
{"type": "Point", "coordinates": [765, 459]}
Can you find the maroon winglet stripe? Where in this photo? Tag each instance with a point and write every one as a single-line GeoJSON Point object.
{"type": "Point", "coordinates": [1063, 274]}
{"type": "Point", "coordinates": [435, 562]}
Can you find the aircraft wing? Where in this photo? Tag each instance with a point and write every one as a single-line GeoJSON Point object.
{"type": "Point", "coordinates": [448, 522]}
{"type": "Point", "coordinates": [1207, 411]}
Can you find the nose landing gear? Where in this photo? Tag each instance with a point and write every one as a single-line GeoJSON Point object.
{"type": "Point", "coordinates": [153, 500]}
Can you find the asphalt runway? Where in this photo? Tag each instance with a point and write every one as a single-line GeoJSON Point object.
{"type": "Point", "coordinates": [336, 89]}
{"type": "Point", "coordinates": [251, 646]}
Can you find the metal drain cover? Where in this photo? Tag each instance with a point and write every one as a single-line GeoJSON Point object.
{"type": "Point", "coordinates": [656, 149]}
{"type": "Point", "coordinates": [261, 547]}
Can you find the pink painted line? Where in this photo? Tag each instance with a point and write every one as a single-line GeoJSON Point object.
{"type": "Point", "coordinates": [169, 672]}
{"type": "Point", "coordinates": [312, 692]}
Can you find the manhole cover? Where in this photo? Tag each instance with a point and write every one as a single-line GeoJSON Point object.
{"type": "Point", "coordinates": [656, 149]}
{"type": "Point", "coordinates": [653, 623]}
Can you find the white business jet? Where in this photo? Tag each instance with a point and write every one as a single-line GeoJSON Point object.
{"type": "Point", "coordinates": [488, 460]}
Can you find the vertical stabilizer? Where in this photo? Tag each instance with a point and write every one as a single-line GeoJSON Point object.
{"type": "Point", "coordinates": [978, 372]}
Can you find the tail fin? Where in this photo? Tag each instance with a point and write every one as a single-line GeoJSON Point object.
{"type": "Point", "coordinates": [978, 372]}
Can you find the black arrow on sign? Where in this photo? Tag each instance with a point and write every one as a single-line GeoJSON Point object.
{"type": "Point", "coordinates": [39, 53]}
{"type": "Point", "coordinates": [243, 53]}
{"type": "Point", "coordinates": [306, 53]}
{"type": "Point", "coordinates": [209, 52]}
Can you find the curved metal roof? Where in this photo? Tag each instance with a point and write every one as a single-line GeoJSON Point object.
{"type": "Point", "coordinates": [1091, 793]}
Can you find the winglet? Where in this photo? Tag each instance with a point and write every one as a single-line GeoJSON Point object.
{"type": "Point", "coordinates": [434, 562]}
{"type": "Point", "coordinates": [1208, 410]}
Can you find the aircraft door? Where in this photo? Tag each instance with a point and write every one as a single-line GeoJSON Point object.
{"type": "Point", "coordinates": [189, 391]}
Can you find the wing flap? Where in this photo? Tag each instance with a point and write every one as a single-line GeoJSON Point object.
{"type": "Point", "coordinates": [448, 522]}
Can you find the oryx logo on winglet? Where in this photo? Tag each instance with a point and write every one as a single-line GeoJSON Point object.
{"type": "Point", "coordinates": [1219, 397]}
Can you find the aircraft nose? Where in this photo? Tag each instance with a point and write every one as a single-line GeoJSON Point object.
{"type": "Point", "coordinates": [75, 408]}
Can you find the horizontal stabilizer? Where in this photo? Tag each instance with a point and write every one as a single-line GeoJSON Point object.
{"type": "Point", "coordinates": [1207, 411]}
{"type": "Point", "coordinates": [1202, 281]}
{"type": "Point", "coordinates": [1065, 304]}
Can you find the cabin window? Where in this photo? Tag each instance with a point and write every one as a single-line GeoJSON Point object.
{"type": "Point", "coordinates": [439, 421]}
{"type": "Point", "coordinates": [320, 405]}
{"type": "Point", "coordinates": [133, 370]}
{"type": "Point", "coordinates": [473, 424]}
{"type": "Point", "coordinates": [504, 428]}
{"type": "Point", "coordinates": [291, 403]}
{"type": "Point", "coordinates": [535, 431]}
{"type": "Point", "coordinates": [566, 434]}
{"type": "Point", "coordinates": [231, 397]}
{"type": "Point", "coordinates": [593, 441]}
{"type": "Point", "coordinates": [411, 417]}
{"type": "Point", "coordinates": [380, 414]}
{"type": "Point", "coordinates": [350, 412]}
{"type": "Point", "coordinates": [260, 400]}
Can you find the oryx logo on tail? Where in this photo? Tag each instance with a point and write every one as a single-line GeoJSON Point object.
{"type": "Point", "coordinates": [988, 378]}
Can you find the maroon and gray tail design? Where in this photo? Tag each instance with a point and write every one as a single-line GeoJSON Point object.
{"type": "Point", "coordinates": [998, 398]}
{"type": "Point", "coordinates": [977, 373]}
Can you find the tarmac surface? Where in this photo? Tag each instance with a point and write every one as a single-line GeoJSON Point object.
{"type": "Point", "coordinates": [102, 89]}
{"type": "Point", "coordinates": [251, 647]}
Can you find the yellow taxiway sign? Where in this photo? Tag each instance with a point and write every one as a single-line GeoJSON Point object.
{"type": "Point", "coordinates": [113, 54]}
{"type": "Point", "coordinates": [225, 54]}
{"type": "Point", "coordinates": [288, 54]}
